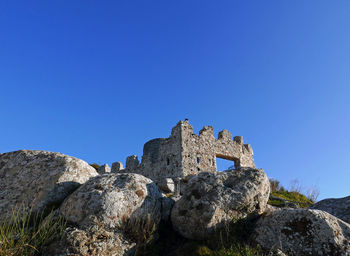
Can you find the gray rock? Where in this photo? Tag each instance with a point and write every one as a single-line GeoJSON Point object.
{"type": "Point", "coordinates": [93, 241]}
{"type": "Point", "coordinates": [117, 167]}
{"type": "Point", "coordinates": [167, 206]}
{"type": "Point", "coordinates": [339, 207]}
{"type": "Point", "coordinates": [104, 169]}
{"type": "Point", "coordinates": [168, 202]}
{"type": "Point", "coordinates": [211, 199]}
{"type": "Point", "coordinates": [166, 185]}
{"type": "Point", "coordinates": [271, 208]}
{"type": "Point", "coordinates": [39, 179]}
{"type": "Point", "coordinates": [111, 210]}
{"type": "Point", "coordinates": [303, 232]}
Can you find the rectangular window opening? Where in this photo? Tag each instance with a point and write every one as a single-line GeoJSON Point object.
{"type": "Point", "coordinates": [224, 164]}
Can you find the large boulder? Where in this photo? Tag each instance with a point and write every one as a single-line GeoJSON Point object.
{"type": "Point", "coordinates": [39, 179]}
{"type": "Point", "coordinates": [111, 214]}
{"type": "Point", "coordinates": [303, 232]}
{"type": "Point", "coordinates": [211, 199]}
{"type": "Point", "coordinates": [339, 207]}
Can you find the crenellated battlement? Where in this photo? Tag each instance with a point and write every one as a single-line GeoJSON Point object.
{"type": "Point", "coordinates": [185, 153]}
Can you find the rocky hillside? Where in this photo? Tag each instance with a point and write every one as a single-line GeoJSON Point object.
{"type": "Point", "coordinates": [124, 213]}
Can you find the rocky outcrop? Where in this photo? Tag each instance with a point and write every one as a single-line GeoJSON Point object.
{"type": "Point", "coordinates": [303, 232]}
{"type": "Point", "coordinates": [211, 199]}
{"type": "Point", "coordinates": [39, 179]}
{"type": "Point", "coordinates": [339, 207]}
{"type": "Point", "coordinates": [111, 215]}
{"type": "Point", "coordinates": [104, 169]}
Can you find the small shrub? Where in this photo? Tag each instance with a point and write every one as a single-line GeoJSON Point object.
{"type": "Point", "coordinates": [141, 231]}
{"type": "Point", "coordinates": [96, 166]}
{"type": "Point", "coordinates": [234, 232]}
{"type": "Point", "coordinates": [204, 251]}
{"type": "Point", "coordinates": [295, 186]}
{"type": "Point", "coordinates": [294, 194]}
{"type": "Point", "coordinates": [274, 185]}
{"type": "Point", "coordinates": [238, 250]}
{"type": "Point", "coordinates": [169, 195]}
{"type": "Point", "coordinates": [312, 193]}
{"type": "Point", "coordinates": [23, 234]}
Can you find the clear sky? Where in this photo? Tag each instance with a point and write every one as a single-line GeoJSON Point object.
{"type": "Point", "coordinates": [97, 79]}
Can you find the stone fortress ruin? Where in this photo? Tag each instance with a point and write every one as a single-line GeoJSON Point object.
{"type": "Point", "coordinates": [185, 153]}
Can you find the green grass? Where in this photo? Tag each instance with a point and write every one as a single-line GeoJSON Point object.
{"type": "Point", "coordinates": [277, 203]}
{"type": "Point", "coordinates": [294, 197]}
{"type": "Point", "coordinates": [23, 234]}
{"type": "Point", "coordinates": [237, 250]}
{"type": "Point", "coordinates": [196, 248]}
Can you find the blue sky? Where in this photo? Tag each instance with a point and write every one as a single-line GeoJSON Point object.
{"type": "Point", "coordinates": [97, 79]}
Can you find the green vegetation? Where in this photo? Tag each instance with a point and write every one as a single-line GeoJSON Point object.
{"type": "Point", "coordinates": [169, 195]}
{"type": "Point", "coordinates": [95, 165]}
{"type": "Point", "coordinates": [277, 203]}
{"type": "Point", "coordinates": [141, 231]}
{"type": "Point", "coordinates": [292, 196]}
{"type": "Point", "coordinates": [23, 234]}
{"type": "Point", "coordinates": [236, 250]}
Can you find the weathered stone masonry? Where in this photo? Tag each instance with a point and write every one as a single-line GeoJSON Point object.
{"type": "Point", "coordinates": [185, 153]}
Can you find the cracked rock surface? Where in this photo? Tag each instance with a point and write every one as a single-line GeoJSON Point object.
{"type": "Point", "coordinates": [211, 199]}
{"type": "Point", "coordinates": [303, 232]}
{"type": "Point", "coordinates": [39, 179]}
{"type": "Point", "coordinates": [109, 215]}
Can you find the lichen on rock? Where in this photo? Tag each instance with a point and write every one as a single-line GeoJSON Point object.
{"type": "Point", "coordinates": [303, 232]}
{"type": "Point", "coordinates": [211, 199]}
{"type": "Point", "coordinates": [111, 215]}
{"type": "Point", "coordinates": [39, 180]}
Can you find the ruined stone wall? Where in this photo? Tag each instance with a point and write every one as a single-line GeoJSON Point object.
{"type": "Point", "coordinates": [200, 151]}
{"type": "Point", "coordinates": [161, 158]}
{"type": "Point", "coordinates": [185, 153]}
